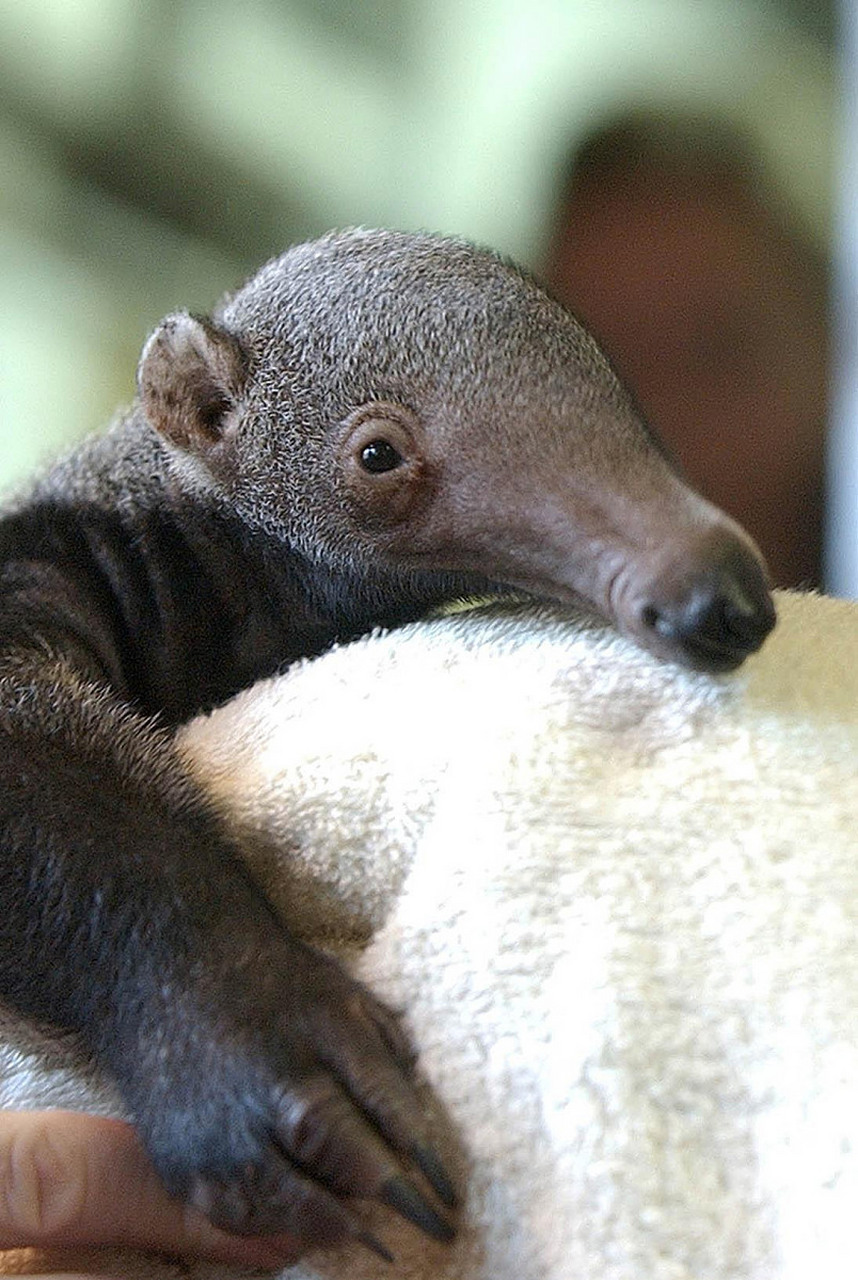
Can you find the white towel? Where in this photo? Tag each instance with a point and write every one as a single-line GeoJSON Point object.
{"type": "Point", "coordinates": [618, 902]}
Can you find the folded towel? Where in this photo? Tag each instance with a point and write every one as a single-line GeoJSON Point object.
{"type": "Point", "coordinates": [618, 903]}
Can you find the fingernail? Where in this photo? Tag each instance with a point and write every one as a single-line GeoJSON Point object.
{"type": "Point", "coordinates": [429, 1163]}
{"type": "Point", "coordinates": [402, 1196]}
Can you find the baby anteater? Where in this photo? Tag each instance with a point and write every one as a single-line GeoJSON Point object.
{"type": "Point", "coordinates": [375, 423]}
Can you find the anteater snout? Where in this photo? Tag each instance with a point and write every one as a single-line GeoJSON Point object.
{"type": "Point", "coordinates": [716, 615]}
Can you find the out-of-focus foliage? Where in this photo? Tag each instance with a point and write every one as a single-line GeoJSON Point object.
{"type": "Point", "coordinates": [152, 152]}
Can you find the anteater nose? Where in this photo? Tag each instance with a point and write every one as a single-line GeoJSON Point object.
{"type": "Point", "coordinates": [724, 613]}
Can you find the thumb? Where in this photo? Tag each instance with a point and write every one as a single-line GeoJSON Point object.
{"type": "Point", "coordinates": [73, 1179]}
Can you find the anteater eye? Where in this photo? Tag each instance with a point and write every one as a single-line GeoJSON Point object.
{"type": "Point", "coordinates": [379, 456]}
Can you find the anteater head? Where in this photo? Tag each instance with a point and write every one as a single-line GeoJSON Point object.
{"type": "Point", "coordinates": [382, 399]}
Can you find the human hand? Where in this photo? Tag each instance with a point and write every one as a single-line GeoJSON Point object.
{"type": "Point", "coordinates": [68, 1179]}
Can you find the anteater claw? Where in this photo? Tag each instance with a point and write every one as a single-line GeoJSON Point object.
{"type": "Point", "coordinates": [375, 1246]}
{"type": "Point", "coordinates": [403, 1196]}
{"type": "Point", "coordinates": [429, 1163]}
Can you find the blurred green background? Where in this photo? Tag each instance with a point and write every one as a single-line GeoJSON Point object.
{"type": "Point", "coordinates": [153, 152]}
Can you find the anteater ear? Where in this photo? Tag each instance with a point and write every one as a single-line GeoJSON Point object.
{"type": "Point", "coordinates": [191, 375]}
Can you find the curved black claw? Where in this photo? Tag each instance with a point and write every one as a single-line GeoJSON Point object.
{"type": "Point", "coordinates": [375, 1246]}
{"type": "Point", "coordinates": [403, 1196]}
{"type": "Point", "coordinates": [429, 1163]}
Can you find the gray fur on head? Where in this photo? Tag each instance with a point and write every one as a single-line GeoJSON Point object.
{"type": "Point", "coordinates": [521, 458]}
{"type": "Point", "coordinates": [447, 329]}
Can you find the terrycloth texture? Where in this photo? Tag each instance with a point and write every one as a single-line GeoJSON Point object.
{"type": "Point", "coordinates": [618, 902]}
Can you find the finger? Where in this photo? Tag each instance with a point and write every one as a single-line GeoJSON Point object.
{"type": "Point", "coordinates": [388, 1099]}
{"type": "Point", "coordinates": [320, 1129]}
{"type": "Point", "coordinates": [72, 1179]}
